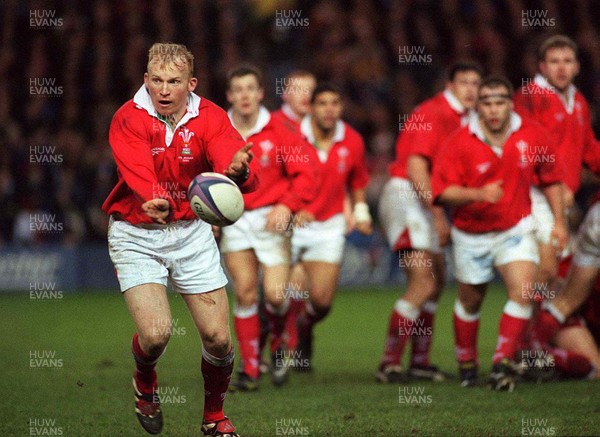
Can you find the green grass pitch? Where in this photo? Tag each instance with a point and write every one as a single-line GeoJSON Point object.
{"type": "Point", "coordinates": [85, 390]}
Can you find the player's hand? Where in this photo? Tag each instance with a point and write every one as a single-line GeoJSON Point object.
{"type": "Point", "coordinates": [303, 217]}
{"type": "Point", "coordinates": [157, 210]}
{"type": "Point", "coordinates": [568, 197]}
{"type": "Point", "coordinates": [240, 163]}
{"type": "Point", "coordinates": [559, 236]}
{"type": "Point", "coordinates": [278, 219]}
{"type": "Point", "coordinates": [365, 228]}
{"type": "Point", "coordinates": [441, 226]}
{"type": "Point", "coordinates": [491, 192]}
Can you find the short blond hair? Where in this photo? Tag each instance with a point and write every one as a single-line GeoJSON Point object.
{"type": "Point", "coordinates": [164, 53]}
{"type": "Point", "coordinates": [556, 42]}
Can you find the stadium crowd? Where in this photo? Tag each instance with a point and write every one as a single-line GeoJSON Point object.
{"type": "Point", "coordinates": [63, 78]}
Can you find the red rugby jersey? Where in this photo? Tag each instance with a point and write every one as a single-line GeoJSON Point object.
{"type": "Point", "coordinates": [288, 170]}
{"type": "Point", "coordinates": [154, 161]}
{"type": "Point", "coordinates": [567, 122]}
{"type": "Point", "coordinates": [343, 167]}
{"type": "Point", "coordinates": [466, 160]}
{"type": "Point", "coordinates": [426, 128]}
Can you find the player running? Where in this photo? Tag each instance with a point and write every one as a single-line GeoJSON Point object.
{"type": "Point", "coordinates": [259, 239]}
{"type": "Point", "coordinates": [161, 139]}
{"type": "Point", "coordinates": [319, 235]}
{"type": "Point", "coordinates": [417, 228]}
{"type": "Point", "coordinates": [484, 172]}
{"type": "Point", "coordinates": [553, 101]}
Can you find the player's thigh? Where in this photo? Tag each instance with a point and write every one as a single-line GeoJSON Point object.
{"type": "Point", "coordinates": [275, 282]}
{"type": "Point", "coordinates": [439, 271]}
{"type": "Point", "coordinates": [324, 278]}
{"type": "Point", "coordinates": [471, 296]}
{"type": "Point", "coordinates": [243, 270]}
{"type": "Point", "coordinates": [577, 288]}
{"type": "Point", "coordinates": [210, 312]}
{"type": "Point", "coordinates": [419, 268]}
{"type": "Point", "coordinates": [519, 278]}
{"type": "Point", "coordinates": [149, 307]}
{"type": "Point", "coordinates": [578, 339]}
{"type": "Point", "coordinates": [548, 263]}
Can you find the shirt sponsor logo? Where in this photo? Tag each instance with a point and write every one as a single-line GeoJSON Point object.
{"type": "Point", "coordinates": [156, 150]}
{"type": "Point", "coordinates": [482, 168]}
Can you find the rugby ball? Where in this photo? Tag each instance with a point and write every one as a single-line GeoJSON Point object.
{"type": "Point", "coordinates": [216, 199]}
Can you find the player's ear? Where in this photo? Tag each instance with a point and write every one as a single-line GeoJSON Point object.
{"type": "Point", "coordinates": [146, 79]}
{"type": "Point", "coordinates": [261, 93]}
{"type": "Point", "coordinates": [542, 68]}
{"type": "Point", "coordinates": [192, 84]}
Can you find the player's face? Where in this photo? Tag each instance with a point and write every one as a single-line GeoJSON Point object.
{"type": "Point", "coordinates": [327, 110]}
{"type": "Point", "coordinates": [494, 107]}
{"type": "Point", "coordinates": [298, 93]}
{"type": "Point", "coordinates": [560, 66]}
{"type": "Point", "coordinates": [464, 86]}
{"type": "Point", "coordinates": [245, 95]}
{"type": "Point", "coordinates": [169, 87]}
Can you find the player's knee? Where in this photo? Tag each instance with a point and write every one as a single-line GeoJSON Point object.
{"type": "Point", "coordinates": [156, 342]}
{"type": "Point", "coordinates": [320, 309]}
{"type": "Point", "coordinates": [471, 306]}
{"type": "Point", "coordinates": [217, 343]}
{"type": "Point", "coordinates": [246, 295]}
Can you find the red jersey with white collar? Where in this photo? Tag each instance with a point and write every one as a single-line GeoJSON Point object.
{"type": "Point", "coordinates": [154, 161]}
{"type": "Point", "coordinates": [426, 128]}
{"type": "Point", "coordinates": [287, 117]}
{"type": "Point", "coordinates": [467, 160]}
{"type": "Point", "coordinates": [568, 123]}
{"type": "Point", "coordinates": [288, 170]}
{"type": "Point", "coordinates": [343, 167]}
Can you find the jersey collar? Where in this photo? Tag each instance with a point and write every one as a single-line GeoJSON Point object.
{"type": "Point", "coordinates": [475, 128]}
{"type": "Point", "coordinates": [454, 102]}
{"type": "Point", "coordinates": [569, 104]}
{"type": "Point", "coordinates": [264, 116]}
{"type": "Point", "coordinates": [287, 110]}
{"type": "Point", "coordinates": [142, 100]}
{"type": "Point", "coordinates": [307, 131]}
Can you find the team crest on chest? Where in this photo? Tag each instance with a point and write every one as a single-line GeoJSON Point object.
{"type": "Point", "coordinates": [265, 146]}
{"type": "Point", "coordinates": [342, 153]}
{"type": "Point", "coordinates": [186, 136]}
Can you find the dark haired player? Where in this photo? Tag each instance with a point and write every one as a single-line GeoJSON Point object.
{"type": "Point", "coordinates": [484, 172]}
{"type": "Point", "coordinates": [415, 227]}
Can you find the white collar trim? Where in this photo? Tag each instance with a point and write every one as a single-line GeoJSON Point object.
{"type": "Point", "coordinates": [475, 128]}
{"type": "Point", "coordinates": [306, 129]}
{"type": "Point", "coordinates": [264, 116]}
{"type": "Point", "coordinates": [143, 101]}
{"type": "Point", "coordinates": [454, 102]}
{"type": "Point", "coordinates": [287, 110]}
{"type": "Point", "coordinates": [569, 104]}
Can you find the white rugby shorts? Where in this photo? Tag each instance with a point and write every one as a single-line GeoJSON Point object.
{"type": "Point", "coordinates": [476, 255]}
{"type": "Point", "coordinates": [543, 219]}
{"type": "Point", "coordinates": [184, 252]}
{"type": "Point", "coordinates": [271, 248]}
{"type": "Point", "coordinates": [400, 211]}
{"type": "Point", "coordinates": [320, 241]}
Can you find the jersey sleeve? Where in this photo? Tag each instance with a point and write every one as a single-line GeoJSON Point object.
{"type": "Point", "coordinates": [420, 137]}
{"type": "Point", "coordinates": [223, 141]}
{"type": "Point", "coordinates": [549, 168]}
{"type": "Point", "coordinates": [446, 168]}
{"type": "Point", "coordinates": [301, 167]}
{"type": "Point", "coordinates": [130, 145]}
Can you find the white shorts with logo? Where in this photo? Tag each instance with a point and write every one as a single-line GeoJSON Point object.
{"type": "Point", "coordinates": [400, 210]}
{"type": "Point", "coordinates": [248, 232]}
{"type": "Point", "coordinates": [543, 219]}
{"type": "Point", "coordinates": [320, 241]}
{"type": "Point", "coordinates": [476, 255]}
{"type": "Point", "coordinates": [587, 249]}
{"type": "Point", "coordinates": [184, 252]}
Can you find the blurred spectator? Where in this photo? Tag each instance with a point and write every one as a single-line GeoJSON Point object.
{"type": "Point", "coordinates": [79, 60]}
